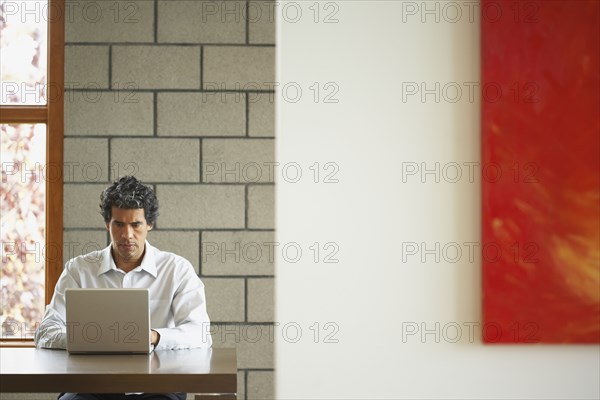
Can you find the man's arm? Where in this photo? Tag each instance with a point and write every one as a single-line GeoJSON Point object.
{"type": "Point", "coordinates": [52, 331]}
{"type": "Point", "coordinates": [192, 325]}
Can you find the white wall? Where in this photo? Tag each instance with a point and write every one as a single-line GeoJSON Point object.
{"type": "Point", "coordinates": [371, 294]}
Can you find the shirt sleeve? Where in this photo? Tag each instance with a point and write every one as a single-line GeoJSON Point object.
{"type": "Point", "coordinates": [52, 331]}
{"type": "Point", "coordinates": [192, 325]}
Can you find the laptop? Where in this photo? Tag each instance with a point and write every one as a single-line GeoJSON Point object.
{"type": "Point", "coordinates": [108, 321]}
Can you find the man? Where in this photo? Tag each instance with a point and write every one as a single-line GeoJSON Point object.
{"type": "Point", "coordinates": [177, 301]}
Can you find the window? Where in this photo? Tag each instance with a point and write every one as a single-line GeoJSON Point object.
{"type": "Point", "coordinates": [31, 155]}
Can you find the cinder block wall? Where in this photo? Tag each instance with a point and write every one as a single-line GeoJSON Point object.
{"type": "Point", "coordinates": [180, 93]}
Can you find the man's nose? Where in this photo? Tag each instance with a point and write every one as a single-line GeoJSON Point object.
{"type": "Point", "coordinates": [127, 231]}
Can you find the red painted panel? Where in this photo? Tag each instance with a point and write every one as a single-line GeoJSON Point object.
{"type": "Point", "coordinates": [541, 175]}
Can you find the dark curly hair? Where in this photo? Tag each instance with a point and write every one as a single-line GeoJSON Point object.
{"type": "Point", "coordinates": [129, 193]}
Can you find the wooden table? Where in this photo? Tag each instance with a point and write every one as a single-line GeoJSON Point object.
{"type": "Point", "coordinates": [33, 370]}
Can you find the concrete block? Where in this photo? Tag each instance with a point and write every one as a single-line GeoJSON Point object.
{"type": "Point", "coordinates": [261, 385]}
{"type": "Point", "coordinates": [159, 160]}
{"type": "Point", "coordinates": [261, 118]}
{"type": "Point", "coordinates": [261, 207]}
{"type": "Point", "coordinates": [225, 299]}
{"type": "Point", "coordinates": [29, 396]}
{"type": "Point", "coordinates": [85, 160]}
{"type": "Point", "coordinates": [254, 343]}
{"type": "Point", "coordinates": [201, 206]}
{"type": "Point", "coordinates": [156, 67]}
{"type": "Point", "coordinates": [241, 384]}
{"type": "Point", "coordinates": [261, 19]}
{"type": "Point", "coordinates": [86, 67]}
{"type": "Point", "coordinates": [238, 160]}
{"type": "Point", "coordinates": [108, 113]}
{"type": "Point", "coordinates": [183, 243]}
{"type": "Point", "coordinates": [109, 21]}
{"type": "Point", "coordinates": [261, 300]}
{"type": "Point", "coordinates": [238, 253]}
{"type": "Point", "coordinates": [81, 205]}
{"type": "Point", "coordinates": [239, 68]}
{"type": "Point", "coordinates": [201, 114]}
{"type": "Point", "coordinates": [201, 21]}
{"type": "Point", "coordinates": [80, 242]}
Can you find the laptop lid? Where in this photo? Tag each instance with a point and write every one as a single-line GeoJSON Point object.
{"type": "Point", "coordinates": [108, 321]}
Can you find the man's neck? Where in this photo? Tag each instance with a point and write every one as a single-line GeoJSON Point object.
{"type": "Point", "coordinates": [127, 265]}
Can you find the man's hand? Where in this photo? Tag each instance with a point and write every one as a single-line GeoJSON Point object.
{"type": "Point", "coordinates": [154, 337]}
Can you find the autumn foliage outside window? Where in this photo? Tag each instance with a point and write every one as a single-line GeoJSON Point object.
{"type": "Point", "coordinates": [31, 134]}
{"type": "Point", "coordinates": [23, 211]}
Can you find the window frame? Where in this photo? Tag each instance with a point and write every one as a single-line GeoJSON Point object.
{"type": "Point", "coordinates": [51, 114]}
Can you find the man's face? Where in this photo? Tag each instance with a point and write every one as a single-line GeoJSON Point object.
{"type": "Point", "coordinates": [128, 230]}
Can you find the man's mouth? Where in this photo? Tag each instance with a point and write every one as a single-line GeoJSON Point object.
{"type": "Point", "coordinates": [127, 246]}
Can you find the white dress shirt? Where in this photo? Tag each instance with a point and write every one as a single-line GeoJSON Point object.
{"type": "Point", "coordinates": [177, 299]}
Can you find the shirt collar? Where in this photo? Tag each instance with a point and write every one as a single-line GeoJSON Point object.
{"type": "Point", "coordinates": [148, 262]}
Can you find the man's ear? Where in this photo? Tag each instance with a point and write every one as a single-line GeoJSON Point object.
{"type": "Point", "coordinates": [107, 224]}
{"type": "Point", "coordinates": [150, 226]}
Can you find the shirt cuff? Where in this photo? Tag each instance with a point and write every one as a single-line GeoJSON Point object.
{"type": "Point", "coordinates": [168, 339]}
